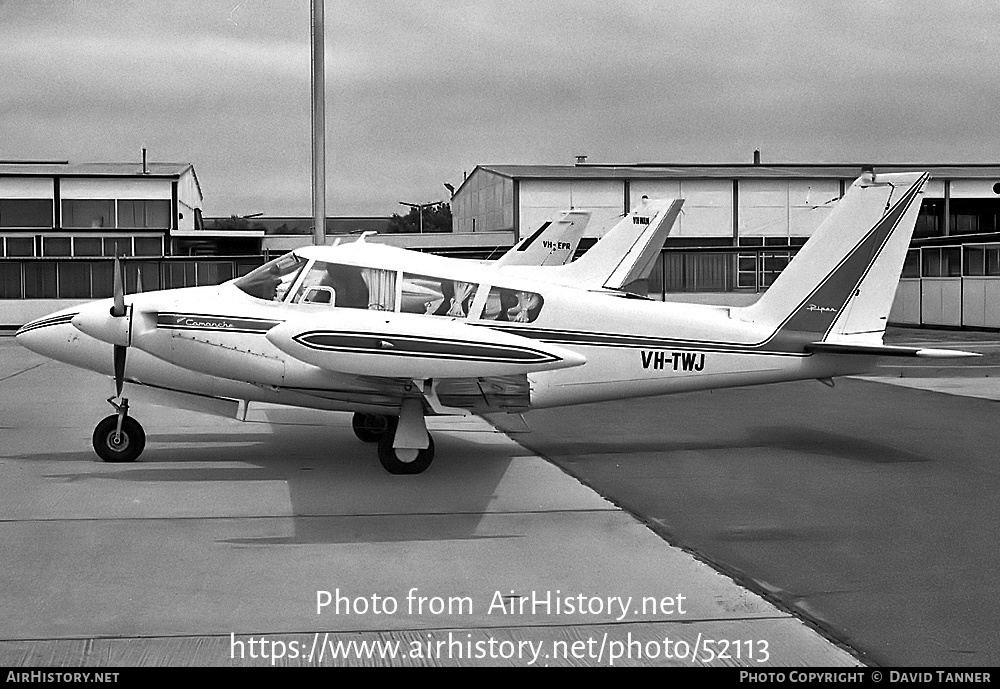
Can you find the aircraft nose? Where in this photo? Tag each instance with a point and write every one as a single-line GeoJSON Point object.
{"type": "Point", "coordinates": [44, 335]}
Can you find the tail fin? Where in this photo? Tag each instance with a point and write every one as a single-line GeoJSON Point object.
{"type": "Point", "coordinates": [552, 244]}
{"type": "Point", "coordinates": [626, 252]}
{"type": "Point", "coordinates": [842, 282]}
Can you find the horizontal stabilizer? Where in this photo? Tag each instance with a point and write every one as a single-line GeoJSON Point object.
{"type": "Point", "coordinates": [885, 350]}
{"type": "Point", "coordinates": [507, 422]}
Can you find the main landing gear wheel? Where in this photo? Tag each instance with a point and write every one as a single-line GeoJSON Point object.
{"type": "Point", "coordinates": [370, 427]}
{"type": "Point", "coordinates": [402, 460]}
{"type": "Point", "coordinates": [112, 446]}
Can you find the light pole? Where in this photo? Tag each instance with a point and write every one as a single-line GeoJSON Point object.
{"type": "Point", "coordinates": [420, 210]}
{"type": "Point", "coordinates": [318, 124]}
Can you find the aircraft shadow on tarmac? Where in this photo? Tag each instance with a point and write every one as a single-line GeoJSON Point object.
{"type": "Point", "coordinates": [791, 438]}
{"type": "Point", "coordinates": [338, 492]}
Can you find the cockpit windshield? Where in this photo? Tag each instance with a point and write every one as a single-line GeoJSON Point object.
{"type": "Point", "coordinates": [273, 279]}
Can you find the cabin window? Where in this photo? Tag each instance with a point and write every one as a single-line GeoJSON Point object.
{"type": "Point", "coordinates": [512, 305]}
{"type": "Point", "coordinates": [347, 286]}
{"type": "Point", "coordinates": [436, 296]}
{"type": "Point", "coordinates": [273, 279]}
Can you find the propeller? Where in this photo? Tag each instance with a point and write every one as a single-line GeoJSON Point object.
{"type": "Point", "coordinates": [118, 310]}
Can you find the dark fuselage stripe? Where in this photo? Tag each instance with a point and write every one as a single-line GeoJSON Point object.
{"type": "Point", "coordinates": [57, 320]}
{"type": "Point", "coordinates": [202, 321]}
{"type": "Point", "coordinates": [592, 339]}
{"type": "Point", "coordinates": [418, 346]}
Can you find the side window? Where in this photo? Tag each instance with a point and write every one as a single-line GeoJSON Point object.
{"type": "Point", "coordinates": [512, 305]}
{"type": "Point", "coordinates": [436, 296]}
{"type": "Point", "coordinates": [347, 286]}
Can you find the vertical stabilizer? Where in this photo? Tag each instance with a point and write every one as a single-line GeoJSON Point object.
{"type": "Point", "coordinates": [843, 281]}
{"type": "Point", "coordinates": [626, 251]}
{"type": "Point", "coordinates": [552, 244]}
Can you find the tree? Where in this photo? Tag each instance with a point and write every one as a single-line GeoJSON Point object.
{"type": "Point", "coordinates": [437, 218]}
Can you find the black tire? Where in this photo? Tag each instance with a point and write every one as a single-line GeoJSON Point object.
{"type": "Point", "coordinates": [390, 460]}
{"type": "Point", "coordinates": [130, 444]}
{"type": "Point", "coordinates": [370, 427]}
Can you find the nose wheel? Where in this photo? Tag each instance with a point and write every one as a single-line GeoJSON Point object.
{"type": "Point", "coordinates": [119, 437]}
{"type": "Point", "coordinates": [370, 427]}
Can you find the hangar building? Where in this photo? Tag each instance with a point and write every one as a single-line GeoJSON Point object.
{"type": "Point", "coordinates": [94, 209]}
{"type": "Point", "coordinates": [724, 204]}
{"type": "Point", "coordinates": [741, 224]}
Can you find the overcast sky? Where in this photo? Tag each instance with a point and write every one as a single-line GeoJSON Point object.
{"type": "Point", "coordinates": [419, 92]}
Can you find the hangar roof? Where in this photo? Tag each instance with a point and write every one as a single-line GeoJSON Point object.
{"type": "Point", "coordinates": [737, 170]}
{"type": "Point", "coordinates": [62, 168]}
{"type": "Point", "coordinates": [66, 169]}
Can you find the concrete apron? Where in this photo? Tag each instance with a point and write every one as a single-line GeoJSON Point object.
{"type": "Point", "coordinates": [252, 543]}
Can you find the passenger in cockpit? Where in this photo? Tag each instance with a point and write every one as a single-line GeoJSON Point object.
{"type": "Point", "coordinates": [456, 298]}
{"type": "Point", "coordinates": [508, 300]}
{"type": "Point", "coordinates": [348, 285]}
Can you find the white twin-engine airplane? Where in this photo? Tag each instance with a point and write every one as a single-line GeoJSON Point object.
{"type": "Point", "coordinates": [395, 335]}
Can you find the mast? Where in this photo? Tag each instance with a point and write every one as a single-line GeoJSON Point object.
{"type": "Point", "coordinates": [318, 124]}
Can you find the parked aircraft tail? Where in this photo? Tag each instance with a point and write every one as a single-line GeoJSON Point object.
{"type": "Point", "coordinates": [626, 253]}
{"type": "Point", "coordinates": [552, 244]}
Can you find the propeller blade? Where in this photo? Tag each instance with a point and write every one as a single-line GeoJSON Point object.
{"type": "Point", "coordinates": [118, 309]}
{"type": "Point", "coordinates": [120, 368]}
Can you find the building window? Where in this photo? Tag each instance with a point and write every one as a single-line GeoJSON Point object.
{"type": "Point", "coordinates": [56, 246]}
{"type": "Point", "coordinates": [929, 219]}
{"type": "Point", "coordinates": [26, 213]}
{"type": "Point", "coordinates": [945, 262]}
{"type": "Point", "coordinates": [993, 260]}
{"type": "Point", "coordinates": [40, 280]}
{"type": "Point", "coordinates": [141, 277]}
{"type": "Point", "coordinates": [88, 246]}
{"type": "Point", "coordinates": [138, 214]}
{"type": "Point", "coordinates": [213, 272]}
{"type": "Point", "coordinates": [150, 246]}
{"type": "Point", "coordinates": [974, 264]}
{"type": "Point", "coordinates": [10, 280]}
{"type": "Point", "coordinates": [974, 216]}
{"type": "Point", "coordinates": [88, 213]}
{"type": "Point", "coordinates": [117, 246]}
{"type": "Point", "coordinates": [74, 280]}
{"type": "Point", "coordinates": [20, 246]}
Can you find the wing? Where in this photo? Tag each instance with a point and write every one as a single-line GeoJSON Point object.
{"type": "Point", "coordinates": [478, 395]}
